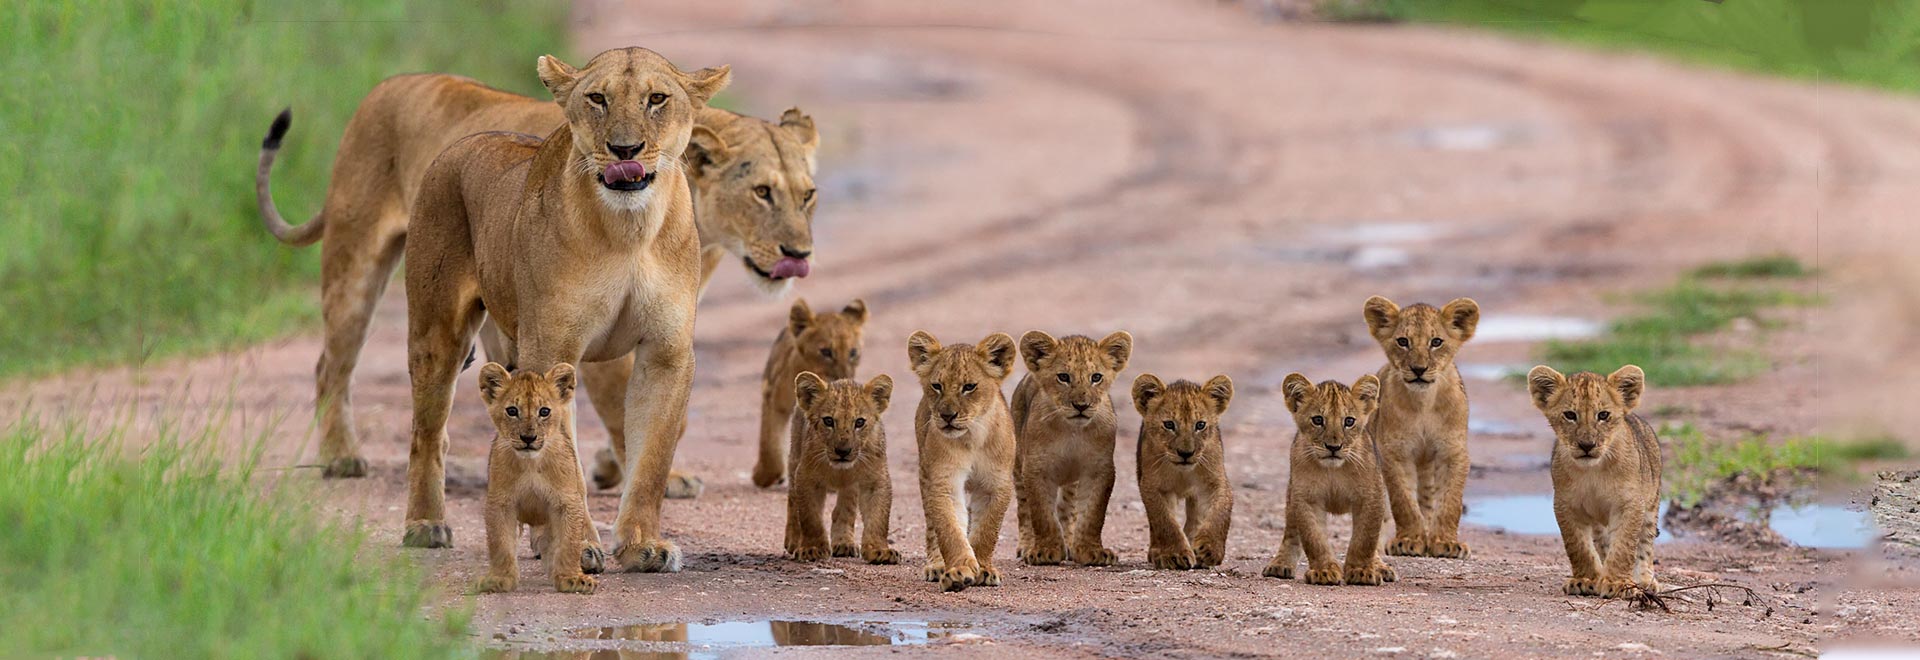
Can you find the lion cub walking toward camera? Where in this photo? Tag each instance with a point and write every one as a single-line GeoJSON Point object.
{"type": "Point", "coordinates": [840, 447]}
{"type": "Point", "coordinates": [1333, 470]}
{"type": "Point", "coordinates": [1064, 424]}
{"type": "Point", "coordinates": [1606, 477]}
{"type": "Point", "coordinates": [966, 444]}
{"type": "Point", "coordinates": [1182, 463]}
{"type": "Point", "coordinates": [533, 476]}
{"type": "Point", "coordinates": [1421, 423]}
{"type": "Point", "coordinates": [825, 344]}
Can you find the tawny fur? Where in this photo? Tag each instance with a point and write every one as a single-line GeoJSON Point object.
{"type": "Point", "coordinates": [1421, 424]}
{"type": "Point", "coordinates": [522, 229]}
{"type": "Point", "coordinates": [840, 449]}
{"type": "Point", "coordinates": [1182, 465]}
{"type": "Point", "coordinates": [533, 477]}
{"type": "Point", "coordinates": [965, 436]}
{"type": "Point", "coordinates": [1064, 426]}
{"type": "Point", "coordinates": [1606, 477]}
{"type": "Point", "coordinates": [825, 344]}
{"type": "Point", "coordinates": [1333, 470]}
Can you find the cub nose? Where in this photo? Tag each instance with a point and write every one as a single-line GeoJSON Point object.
{"type": "Point", "coordinates": [625, 152]}
{"type": "Point", "coordinates": [843, 453]}
{"type": "Point", "coordinates": [789, 251]}
{"type": "Point", "coordinates": [1333, 449]}
{"type": "Point", "coordinates": [528, 439]}
{"type": "Point", "coordinates": [1185, 454]}
{"type": "Point", "coordinates": [948, 417]}
{"type": "Point", "coordinates": [1586, 447]}
{"type": "Point", "coordinates": [1081, 407]}
{"type": "Point", "coordinates": [1419, 371]}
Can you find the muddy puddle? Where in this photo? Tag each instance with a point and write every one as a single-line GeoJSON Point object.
{"type": "Point", "coordinates": [712, 640]}
{"type": "Point", "coordinates": [1813, 525]}
{"type": "Point", "coordinates": [1526, 327]}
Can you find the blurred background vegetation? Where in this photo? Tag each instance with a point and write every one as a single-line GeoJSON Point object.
{"type": "Point", "coordinates": [132, 134]}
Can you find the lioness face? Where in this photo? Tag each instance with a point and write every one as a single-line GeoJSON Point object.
{"type": "Point", "coordinates": [842, 419]}
{"type": "Point", "coordinates": [828, 344]}
{"type": "Point", "coordinates": [1180, 423]}
{"type": "Point", "coordinates": [528, 408]}
{"type": "Point", "coordinates": [1421, 341]}
{"type": "Point", "coordinates": [756, 194]}
{"type": "Point", "coordinates": [1588, 412]}
{"type": "Point", "coordinates": [960, 382]}
{"type": "Point", "coordinates": [1076, 372]}
{"type": "Point", "coordinates": [1332, 417]}
{"type": "Point", "coordinates": [631, 113]}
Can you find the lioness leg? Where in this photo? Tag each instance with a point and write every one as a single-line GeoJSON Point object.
{"type": "Point", "coordinates": [656, 403]}
{"type": "Point", "coordinates": [355, 264]}
{"type": "Point", "coordinates": [606, 384]}
{"type": "Point", "coordinates": [439, 334]}
{"type": "Point", "coordinates": [776, 413]}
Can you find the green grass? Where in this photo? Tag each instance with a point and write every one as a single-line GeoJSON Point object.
{"type": "Point", "coordinates": [1698, 462]}
{"type": "Point", "coordinates": [1763, 267]}
{"type": "Point", "coordinates": [161, 552]}
{"type": "Point", "coordinates": [132, 133]}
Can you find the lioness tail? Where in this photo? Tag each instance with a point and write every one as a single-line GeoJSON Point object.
{"type": "Point", "coordinates": [304, 234]}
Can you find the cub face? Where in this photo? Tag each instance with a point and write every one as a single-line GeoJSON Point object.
{"type": "Point", "coordinates": [1420, 341]}
{"type": "Point", "coordinates": [1332, 417]}
{"type": "Point", "coordinates": [1076, 372]}
{"type": "Point", "coordinates": [629, 106]}
{"type": "Point", "coordinates": [842, 419]}
{"type": "Point", "coordinates": [828, 344]}
{"type": "Point", "coordinates": [755, 182]}
{"type": "Point", "coordinates": [960, 383]}
{"type": "Point", "coordinates": [1180, 423]}
{"type": "Point", "coordinates": [1588, 412]}
{"type": "Point", "coordinates": [528, 408]}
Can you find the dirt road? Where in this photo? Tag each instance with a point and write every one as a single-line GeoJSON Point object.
{"type": "Point", "coordinates": [1228, 191]}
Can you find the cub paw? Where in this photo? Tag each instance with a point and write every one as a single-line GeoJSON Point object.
{"type": "Point", "coordinates": [1582, 587]}
{"type": "Point", "coordinates": [1093, 555]}
{"type": "Point", "coordinates": [846, 550]}
{"type": "Point", "coordinates": [1616, 588]}
{"type": "Point", "coordinates": [1178, 560]}
{"type": "Point", "coordinates": [1045, 554]}
{"type": "Point", "coordinates": [956, 578]}
{"type": "Point", "coordinates": [1205, 555]}
{"type": "Point", "coordinates": [1324, 575]}
{"type": "Point", "coordinates": [989, 577]}
{"type": "Point", "coordinates": [1447, 548]}
{"type": "Point", "coordinates": [345, 467]}
{"type": "Point", "coordinates": [684, 486]}
{"type": "Point", "coordinates": [497, 584]}
{"type": "Point", "coordinates": [593, 560]}
{"type": "Point", "coordinates": [655, 556]}
{"type": "Point", "coordinates": [575, 584]}
{"type": "Point", "coordinates": [768, 476]}
{"type": "Point", "coordinates": [1386, 572]}
{"type": "Point", "coordinates": [427, 534]}
{"type": "Point", "coordinates": [1278, 570]}
{"type": "Point", "coordinates": [1407, 546]}
{"type": "Point", "coordinates": [810, 552]}
{"type": "Point", "coordinates": [881, 556]}
{"type": "Point", "coordinates": [606, 470]}
{"type": "Point", "coordinates": [1369, 575]}
{"type": "Point", "coordinates": [539, 540]}
{"type": "Point", "coordinates": [934, 570]}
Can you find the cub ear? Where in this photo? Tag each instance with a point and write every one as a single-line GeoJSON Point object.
{"type": "Point", "coordinates": [921, 347]}
{"type": "Point", "coordinates": [1630, 381]}
{"type": "Point", "coordinates": [881, 389]}
{"type": "Point", "coordinates": [703, 84]}
{"type": "Point", "coordinates": [1220, 389]}
{"type": "Point", "coordinates": [1146, 388]}
{"type": "Point", "coordinates": [1119, 348]}
{"type": "Point", "coordinates": [799, 318]}
{"type": "Point", "coordinates": [563, 380]}
{"type": "Point", "coordinates": [493, 379]}
{"type": "Point", "coordinates": [1542, 383]}
{"type": "Point", "coordinates": [706, 152]}
{"type": "Point", "coordinates": [808, 387]}
{"type": "Point", "coordinates": [1294, 390]}
{"type": "Point", "coordinates": [1036, 346]}
{"type": "Point", "coordinates": [801, 126]}
{"type": "Point", "coordinates": [1464, 315]}
{"type": "Point", "coordinates": [558, 76]}
{"type": "Point", "coordinates": [1367, 391]}
{"type": "Point", "coordinates": [856, 311]}
{"type": "Point", "coordinates": [1380, 313]}
{"type": "Point", "coordinates": [998, 349]}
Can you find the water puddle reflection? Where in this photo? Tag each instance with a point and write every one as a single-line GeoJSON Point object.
{"type": "Point", "coordinates": [1806, 525]}
{"type": "Point", "coordinates": [708, 640]}
{"type": "Point", "coordinates": [1519, 327]}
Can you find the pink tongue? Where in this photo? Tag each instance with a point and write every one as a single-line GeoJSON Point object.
{"type": "Point", "coordinates": [623, 172]}
{"type": "Point", "coordinates": [790, 267]}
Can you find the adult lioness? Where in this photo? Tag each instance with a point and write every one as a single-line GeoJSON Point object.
{"type": "Point", "coordinates": [579, 246]}
{"type": "Point", "coordinates": [753, 195]}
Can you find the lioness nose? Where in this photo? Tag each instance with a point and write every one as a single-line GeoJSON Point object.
{"type": "Point", "coordinates": [797, 254]}
{"type": "Point", "coordinates": [625, 152]}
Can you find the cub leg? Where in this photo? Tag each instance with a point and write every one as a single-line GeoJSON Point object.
{"type": "Point", "coordinates": [1288, 557]}
{"type": "Point", "coordinates": [1409, 525]}
{"type": "Point", "coordinates": [876, 510]}
{"type": "Point", "coordinates": [1308, 528]}
{"type": "Point", "coordinates": [845, 510]}
{"type": "Point", "coordinates": [1578, 540]}
{"type": "Point", "coordinates": [1443, 537]}
{"type": "Point", "coordinates": [1629, 554]}
{"type": "Point", "coordinates": [949, 560]}
{"type": "Point", "coordinates": [503, 532]}
{"type": "Point", "coordinates": [1166, 543]}
{"type": "Point", "coordinates": [569, 547]}
{"type": "Point", "coordinates": [1210, 538]}
{"type": "Point", "coordinates": [1040, 519]}
{"type": "Point", "coordinates": [1087, 500]}
{"type": "Point", "coordinates": [987, 510]}
{"type": "Point", "coordinates": [804, 503]}
{"type": "Point", "coordinates": [1364, 565]}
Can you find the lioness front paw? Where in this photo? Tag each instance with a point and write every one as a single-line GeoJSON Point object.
{"type": "Point", "coordinates": [881, 555]}
{"type": "Point", "coordinates": [497, 584]}
{"type": "Point", "coordinates": [1207, 555]}
{"type": "Point", "coordinates": [593, 560]}
{"type": "Point", "coordinates": [1324, 575]}
{"type": "Point", "coordinates": [810, 552]}
{"type": "Point", "coordinates": [684, 486]}
{"type": "Point", "coordinates": [1366, 574]}
{"type": "Point", "coordinates": [1277, 569]}
{"type": "Point", "coordinates": [1447, 548]}
{"type": "Point", "coordinates": [934, 570]}
{"type": "Point", "coordinates": [1616, 588]}
{"type": "Point", "coordinates": [574, 584]}
{"type": "Point", "coordinates": [1407, 546]}
{"type": "Point", "coordinates": [1093, 555]}
{"type": "Point", "coordinates": [655, 556]}
{"type": "Point", "coordinates": [606, 470]}
{"type": "Point", "coordinates": [427, 534]}
{"type": "Point", "coordinates": [1582, 587]}
{"type": "Point", "coordinates": [846, 550]}
{"type": "Point", "coordinates": [1179, 560]}
{"type": "Point", "coordinates": [1045, 554]}
{"type": "Point", "coordinates": [345, 467]}
{"type": "Point", "coordinates": [960, 576]}
{"type": "Point", "coordinates": [768, 476]}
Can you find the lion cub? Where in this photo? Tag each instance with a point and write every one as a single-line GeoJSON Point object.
{"type": "Point", "coordinates": [840, 447]}
{"type": "Point", "coordinates": [1181, 462]}
{"type": "Point", "coordinates": [1606, 477]}
{"type": "Point", "coordinates": [1333, 470]}
{"type": "Point", "coordinates": [826, 344]}
{"type": "Point", "coordinates": [966, 444]}
{"type": "Point", "coordinates": [533, 476]}
{"type": "Point", "coordinates": [1064, 424]}
{"type": "Point", "coordinates": [1421, 424]}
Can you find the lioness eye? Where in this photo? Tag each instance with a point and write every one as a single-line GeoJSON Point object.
{"type": "Point", "coordinates": [513, 411]}
{"type": "Point", "coordinates": [1168, 424]}
{"type": "Point", "coordinates": [1200, 425]}
{"type": "Point", "coordinates": [827, 422]}
{"type": "Point", "coordinates": [597, 99]}
{"type": "Point", "coordinates": [1064, 378]}
{"type": "Point", "coordinates": [826, 353]}
{"type": "Point", "coordinates": [1604, 415]}
{"type": "Point", "coordinates": [1096, 378]}
{"type": "Point", "coordinates": [936, 387]}
{"type": "Point", "coordinates": [1349, 422]}
{"type": "Point", "coordinates": [545, 411]}
{"type": "Point", "coordinates": [966, 388]}
{"type": "Point", "coordinates": [1402, 342]}
{"type": "Point", "coordinates": [1319, 421]}
{"type": "Point", "coordinates": [859, 422]}
{"type": "Point", "coordinates": [1571, 416]}
{"type": "Point", "coordinates": [762, 192]}
{"type": "Point", "coordinates": [657, 98]}
{"type": "Point", "coordinates": [1435, 343]}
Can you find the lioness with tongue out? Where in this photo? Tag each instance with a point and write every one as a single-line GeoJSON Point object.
{"type": "Point", "coordinates": [581, 247]}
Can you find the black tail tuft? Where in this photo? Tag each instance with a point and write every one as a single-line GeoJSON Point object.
{"type": "Point", "coordinates": [279, 130]}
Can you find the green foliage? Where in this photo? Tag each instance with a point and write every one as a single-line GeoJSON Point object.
{"type": "Point", "coordinates": [1699, 462]}
{"type": "Point", "coordinates": [133, 132]}
{"type": "Point", "coordinates": [1763, 267]}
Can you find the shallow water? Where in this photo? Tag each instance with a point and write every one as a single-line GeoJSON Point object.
{"type": "Point", "coordinates": [1520, 327]}
{"type": "Point", "coordinates": [1809, 525]}
{"type": "Point", "coordinates": [707, 640]}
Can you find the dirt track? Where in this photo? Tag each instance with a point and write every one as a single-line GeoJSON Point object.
{"type": "Point", "coordinates": [1228, 191]}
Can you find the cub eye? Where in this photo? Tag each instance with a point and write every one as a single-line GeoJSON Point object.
{"type": "Point", "coordinates": [859, 422]}
{"type": "Point", "coordinates": [1200, 425]}
{"type": "Point", "coordinates": [1168, 424]}
{"type": "Point", "coordinates": [1319, 421]}
{"type": "Point", "coordinates": [853, 353]}
{"type": "Point", "coordinates": [545, 411]}
{"type": "Point", "coordinates": [966, 388]}
{"type": "Point", "coordinates": [763, 192]}
{"type": "Point", "coordinates": [826, 353]}
{"type": "Point", "coordinates": [936, 387]}
{"type": "Point", "coordinates": [656, 98]}
{"type": "Point", "coordinates": [809, 196]}
{"type": "Point", "coordinates": [1604, 415]}
{"type": "Point", "coordinates": [1349, 422]}
{"type": "Point", "coordinates": [1402, 342]}
{"type": "Point", "coordinates": [597, 99]}
{"type": "Point", "coordinates": [827, 422]}
{"type": "Point", "coordinates": [1435, 343]}
{"type": "Point", "coordinates": [1096, 378]}
{"type": "Point", "coordinates": [513, 411]}
{"type": "Point", "coordinates": [1064, 377]}
{"type": "Point", "coordinates": [1571, 416]}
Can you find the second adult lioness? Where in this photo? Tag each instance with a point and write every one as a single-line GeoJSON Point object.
{"type": "Point", "coordinates": [1421, 425]}
{"type": "Point", "coordinates": [965, 436]}
{"type": "Point", "coordinates": [1606, 477]}
{"type": "Point", "coordinates": [1332, 471]}
{"type": "Point", "coordinates": [1064, 422]}
{"type": "Point", "coordinates": [825, 344]}
{"type": "Point", "coordinates": [581, 246]}
{"type": "Point", "coordinates": [1182, 465]}
{"type": "Point", "coordinates": [840, 448]}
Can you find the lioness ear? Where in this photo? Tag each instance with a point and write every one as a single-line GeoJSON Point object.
{"type": "Point", "coordinates": [563, 380]}
{"type": "Point", "coordinates": [807, 389]}
{"type": "Point", "coordinates": [856, 311]}
{"type": "Point", "coordinates": [801, 126]}
{"type": "Point", "coordinates": [558, 76]}
{"type": "Point", "coordinates": [1379, 313]}
{"type": "Point", "coordinates": [703, 84]}
{"type": "Point", "coordinates": [1367, 391]}
{"type": "Point", "coordinates": [1464, 315]}
{"type": "Point", "coordinates": [1542, 383]}
{"type": "Point", "coordinates": [1036, 346]}
{"type": "Point", "coordinates": [493, 378]}
{"type": "Point", "coordinates": [1294, 390]}
{"type": "Point", "coordinates": [1146, 388]}
{"type": "Point", "coordinates": [1220, 388]}
{"type": "Point", "coordinates": [705, 151]}
{"type": "Point", "coordinates": [799, 318]}
{"type": "Point", "coordinates": [920, 348]}
{"type": "Point", "coordinates": [1630, 381]}
{"type": "Point", "coordinates": [998, 349]}
{"type": "Point", "coordinates": [1119, 348]}
{"type": "Point", "coordinates": [881, 389]}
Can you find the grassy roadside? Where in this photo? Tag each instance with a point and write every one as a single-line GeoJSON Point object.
{"type": "Point", "coordinates": [133, 130]}
{"type": "Point", "coordinates": [1699, 464]}
{"type": "Point", "coordinates": [162, 553]}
